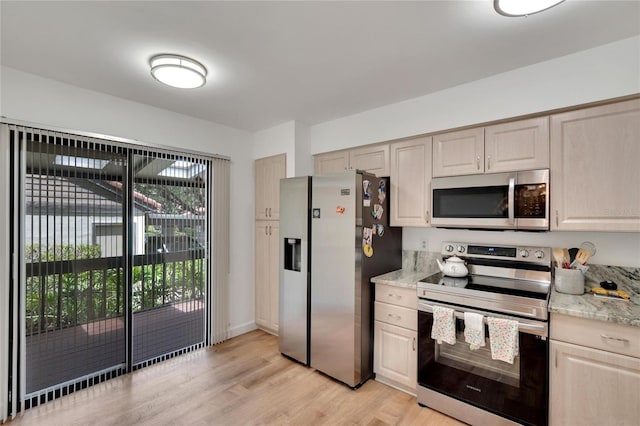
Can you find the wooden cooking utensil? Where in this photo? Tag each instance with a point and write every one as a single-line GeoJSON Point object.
{"type": "Point", "coordinates": [587, 249]}
{"type": "Point", "coordinates": [558, 256]}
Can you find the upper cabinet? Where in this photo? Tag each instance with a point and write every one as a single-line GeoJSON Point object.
{"type": "Point", "coordinates": [268, 172]}
{"type": "Point", "coordinates": [458, 153]}
{"type": "Point", "coordinates": [520, 145]}
{"type": "Point", "coordinates": [330, 162]}
{"type": "Point", "coordinates": [507, 147]}
{"type": "Point", "coordinates": [595, 175]}
{"type": "Point", "coordinates": [372, 158]}
{"type": "Point", "coordinates": [410, 182]}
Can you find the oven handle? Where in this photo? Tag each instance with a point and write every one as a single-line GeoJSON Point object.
{"type": "Point", "coordinates": [536, 328]}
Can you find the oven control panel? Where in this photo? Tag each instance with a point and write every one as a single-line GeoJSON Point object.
{"type": "Point", "coordinates": [515, 253]}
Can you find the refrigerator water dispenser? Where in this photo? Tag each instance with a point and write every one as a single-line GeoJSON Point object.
{"type": "Point", "coordinates": [292, 254]}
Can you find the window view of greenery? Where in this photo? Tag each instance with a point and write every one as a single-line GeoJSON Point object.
{"type": "Point", "coordinates": [72, 284]}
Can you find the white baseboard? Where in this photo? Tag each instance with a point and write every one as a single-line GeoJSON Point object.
{"type": "Point", "coordinates": [242, 328]}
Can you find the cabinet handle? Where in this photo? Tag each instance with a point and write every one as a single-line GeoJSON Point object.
{"type": "Point", "coordinates": [556, 217]}
{"type": "Point", "coordinates": [265, 212]}
{"type": "Point", "coordinates": [414, 344]}
{"type": "Point", "coordinates": [426, 216]}
{"type": "Point", "coordinates": [556, 357]}
{"type": "Point", "coordinates": [397, 296]}
{"type": "Point", "coordinates": [488, 162]}
{"type": "Point", "coordinates": [617, 339]}
{"type": "Point", "coordinates": [398, 317]}
{"type": "Point", "coordinates": [269, 230]}
{"type": "Point", "coordinates": [269, 211]}
{"type": "Point", "coordinates": [266, 230]}
{"type": "Point", "coordinates": [478, 162]}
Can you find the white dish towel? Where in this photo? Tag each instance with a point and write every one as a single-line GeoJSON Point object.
{"type": "Point", "coordinates": [444, 325]}
{"type": "Point", "coordinates": [474, 330]}
{"type": "Point", "coordinates": [503, 334]}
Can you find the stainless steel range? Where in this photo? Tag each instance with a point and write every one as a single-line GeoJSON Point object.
{"type": "Point", "coordinates": [503, 282]}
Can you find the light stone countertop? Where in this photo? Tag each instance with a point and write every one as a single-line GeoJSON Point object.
{"type": "Point", "coordinates": [406, 278]}
{"type": "Point", "coordinates": [583, 306]}
{"type": "Point", "coordinates": [602, 309]}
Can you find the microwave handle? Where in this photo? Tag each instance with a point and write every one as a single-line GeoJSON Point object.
{"type": "Point", "coordinates": [511, 203]}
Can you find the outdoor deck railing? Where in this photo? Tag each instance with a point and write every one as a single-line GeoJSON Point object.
{"type": "Point", "coordinates": [67, 293]}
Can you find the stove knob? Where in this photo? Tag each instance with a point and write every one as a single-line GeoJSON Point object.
{"type": "Point", "coordinates": [460, 249]}
{"type": "Point", "coordinates": [448, 248]}
{"type": "Point", "coordinates": [539, 254]}
{"type": "Point", "coordinates": [524, 253]}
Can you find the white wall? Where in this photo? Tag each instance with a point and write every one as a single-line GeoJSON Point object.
{"type": "Point", "coordinates": [291, 138]}
{"type": "Point", "coordinates": [622, 249]}
{"type": "Point", "coordinates": [277, 140]}
{"type": "Point", "coordinates": [32, 98]}
{"type": "Point", "coordinates": [601, 73]}
{"type": "Point", "coordinates": [604, 72]}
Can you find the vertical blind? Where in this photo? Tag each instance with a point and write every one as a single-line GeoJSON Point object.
{"type": "Point", "coordinates": [122, 259]}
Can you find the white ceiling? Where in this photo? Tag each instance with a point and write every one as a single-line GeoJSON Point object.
{"type": "Point", "coordinates": [271, 62]}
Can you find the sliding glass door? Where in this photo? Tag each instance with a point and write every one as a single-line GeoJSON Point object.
{"type": "Point", "coordinates": [169, 262]}
{"type": "Point", "coordinates": [115, 242]}
{"type": "Point", "coordinates": [73, 244]}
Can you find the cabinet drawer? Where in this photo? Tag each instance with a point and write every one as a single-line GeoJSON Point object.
{"type": "Point", "coordinates": [396, 315]}
{"type": "Point", "coordinates": [607, 336]}
{"type": "Point", "coordinates": [400, 296]}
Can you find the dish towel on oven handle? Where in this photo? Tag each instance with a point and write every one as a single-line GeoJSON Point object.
{"type": "Point", "coordinates": [444, 325]}
{"type": "Point", "coordinates": [474, 330]}
{"type": "Point", "coordinates": [503, 335]}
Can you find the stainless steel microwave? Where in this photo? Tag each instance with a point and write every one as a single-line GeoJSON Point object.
{"type": "Point", "coordinates": [517, 200]}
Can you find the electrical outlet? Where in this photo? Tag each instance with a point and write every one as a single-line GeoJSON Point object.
{"type": "Point", "coordinates": [423, 244]}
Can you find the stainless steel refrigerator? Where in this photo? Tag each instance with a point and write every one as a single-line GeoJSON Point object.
{"type": "Point", "coordinates": [295, 279]}
{"type": "Point", "coordinates": [334, 236]}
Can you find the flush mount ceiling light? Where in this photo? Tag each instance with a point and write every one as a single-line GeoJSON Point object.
{"type": "Point", "coordinates": [523, 7]}
{"type": "Point", "coordinates": [178, 71]}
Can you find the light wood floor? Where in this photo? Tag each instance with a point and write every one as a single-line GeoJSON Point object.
{"type": "Point", "coordinates": [244, 381]}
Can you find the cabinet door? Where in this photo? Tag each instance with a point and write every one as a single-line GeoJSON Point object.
{"type": "Point", "coordinates": [274, 274]}
{"type": "Point", "coordinates": [262, 274]}
{"type": "Point", "coordinates": [330, 162]}
{"type": "Point", "coordinates": [395, 356]}
{"type": "Point", "coordinates": [458, 153]}
{"type": "Point", "coordinates": [261, 170]}
{"type": "Point", "coordinates": [592, 387]}
{"type": "Point", "coordinates": [520, 145]}
{"type": "Point", "coordinates": [374, 159]}
{"type": "Point", "coordinates": [410, 182]}
{"type": "Point", "coordinates": [594, 168]}
{"type": "Point", "coordinates": [277, 170]}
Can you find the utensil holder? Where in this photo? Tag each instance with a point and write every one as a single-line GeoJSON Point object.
{"type": "Point", "coordinates": [569, 281]}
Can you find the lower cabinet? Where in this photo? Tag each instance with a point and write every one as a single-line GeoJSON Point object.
{"type": "Point", "coordinates": [593, 387]}
{"type": "Point", "coordinates": [394, 342]}
{"type": "Point", "coordinates": [594, 372]}
{"type": "Point", "coordinates": [267, 279]}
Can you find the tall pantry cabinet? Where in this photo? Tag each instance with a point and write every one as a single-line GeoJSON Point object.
{"type": "Point", "coordinates": [268, 172]}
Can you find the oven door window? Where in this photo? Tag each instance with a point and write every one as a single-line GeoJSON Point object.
{"type": "Point", "coordinates": [476, 202]}
{"type": "Point", "coordinates": [517, 391]}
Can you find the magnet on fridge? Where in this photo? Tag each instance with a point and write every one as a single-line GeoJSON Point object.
{"type": "Point", "coordinates": [366, 236]}
{"type": "Point", "coordinates": [379, 229]}
{"type": "Point", "coordinates": [366, 203]}
{"type": "Point", "coordinates": [366, 187]}
{"type": "Point", "coordinates": [377, 211]}
{"type": "Point", "coordinates": [368, 250]}
{"type": "Point", "coordinates": [340, 209]}
{"type": "Point", "coordinates": [382, 186]}
{"type": "Point", "coordinates": [381, 197]}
